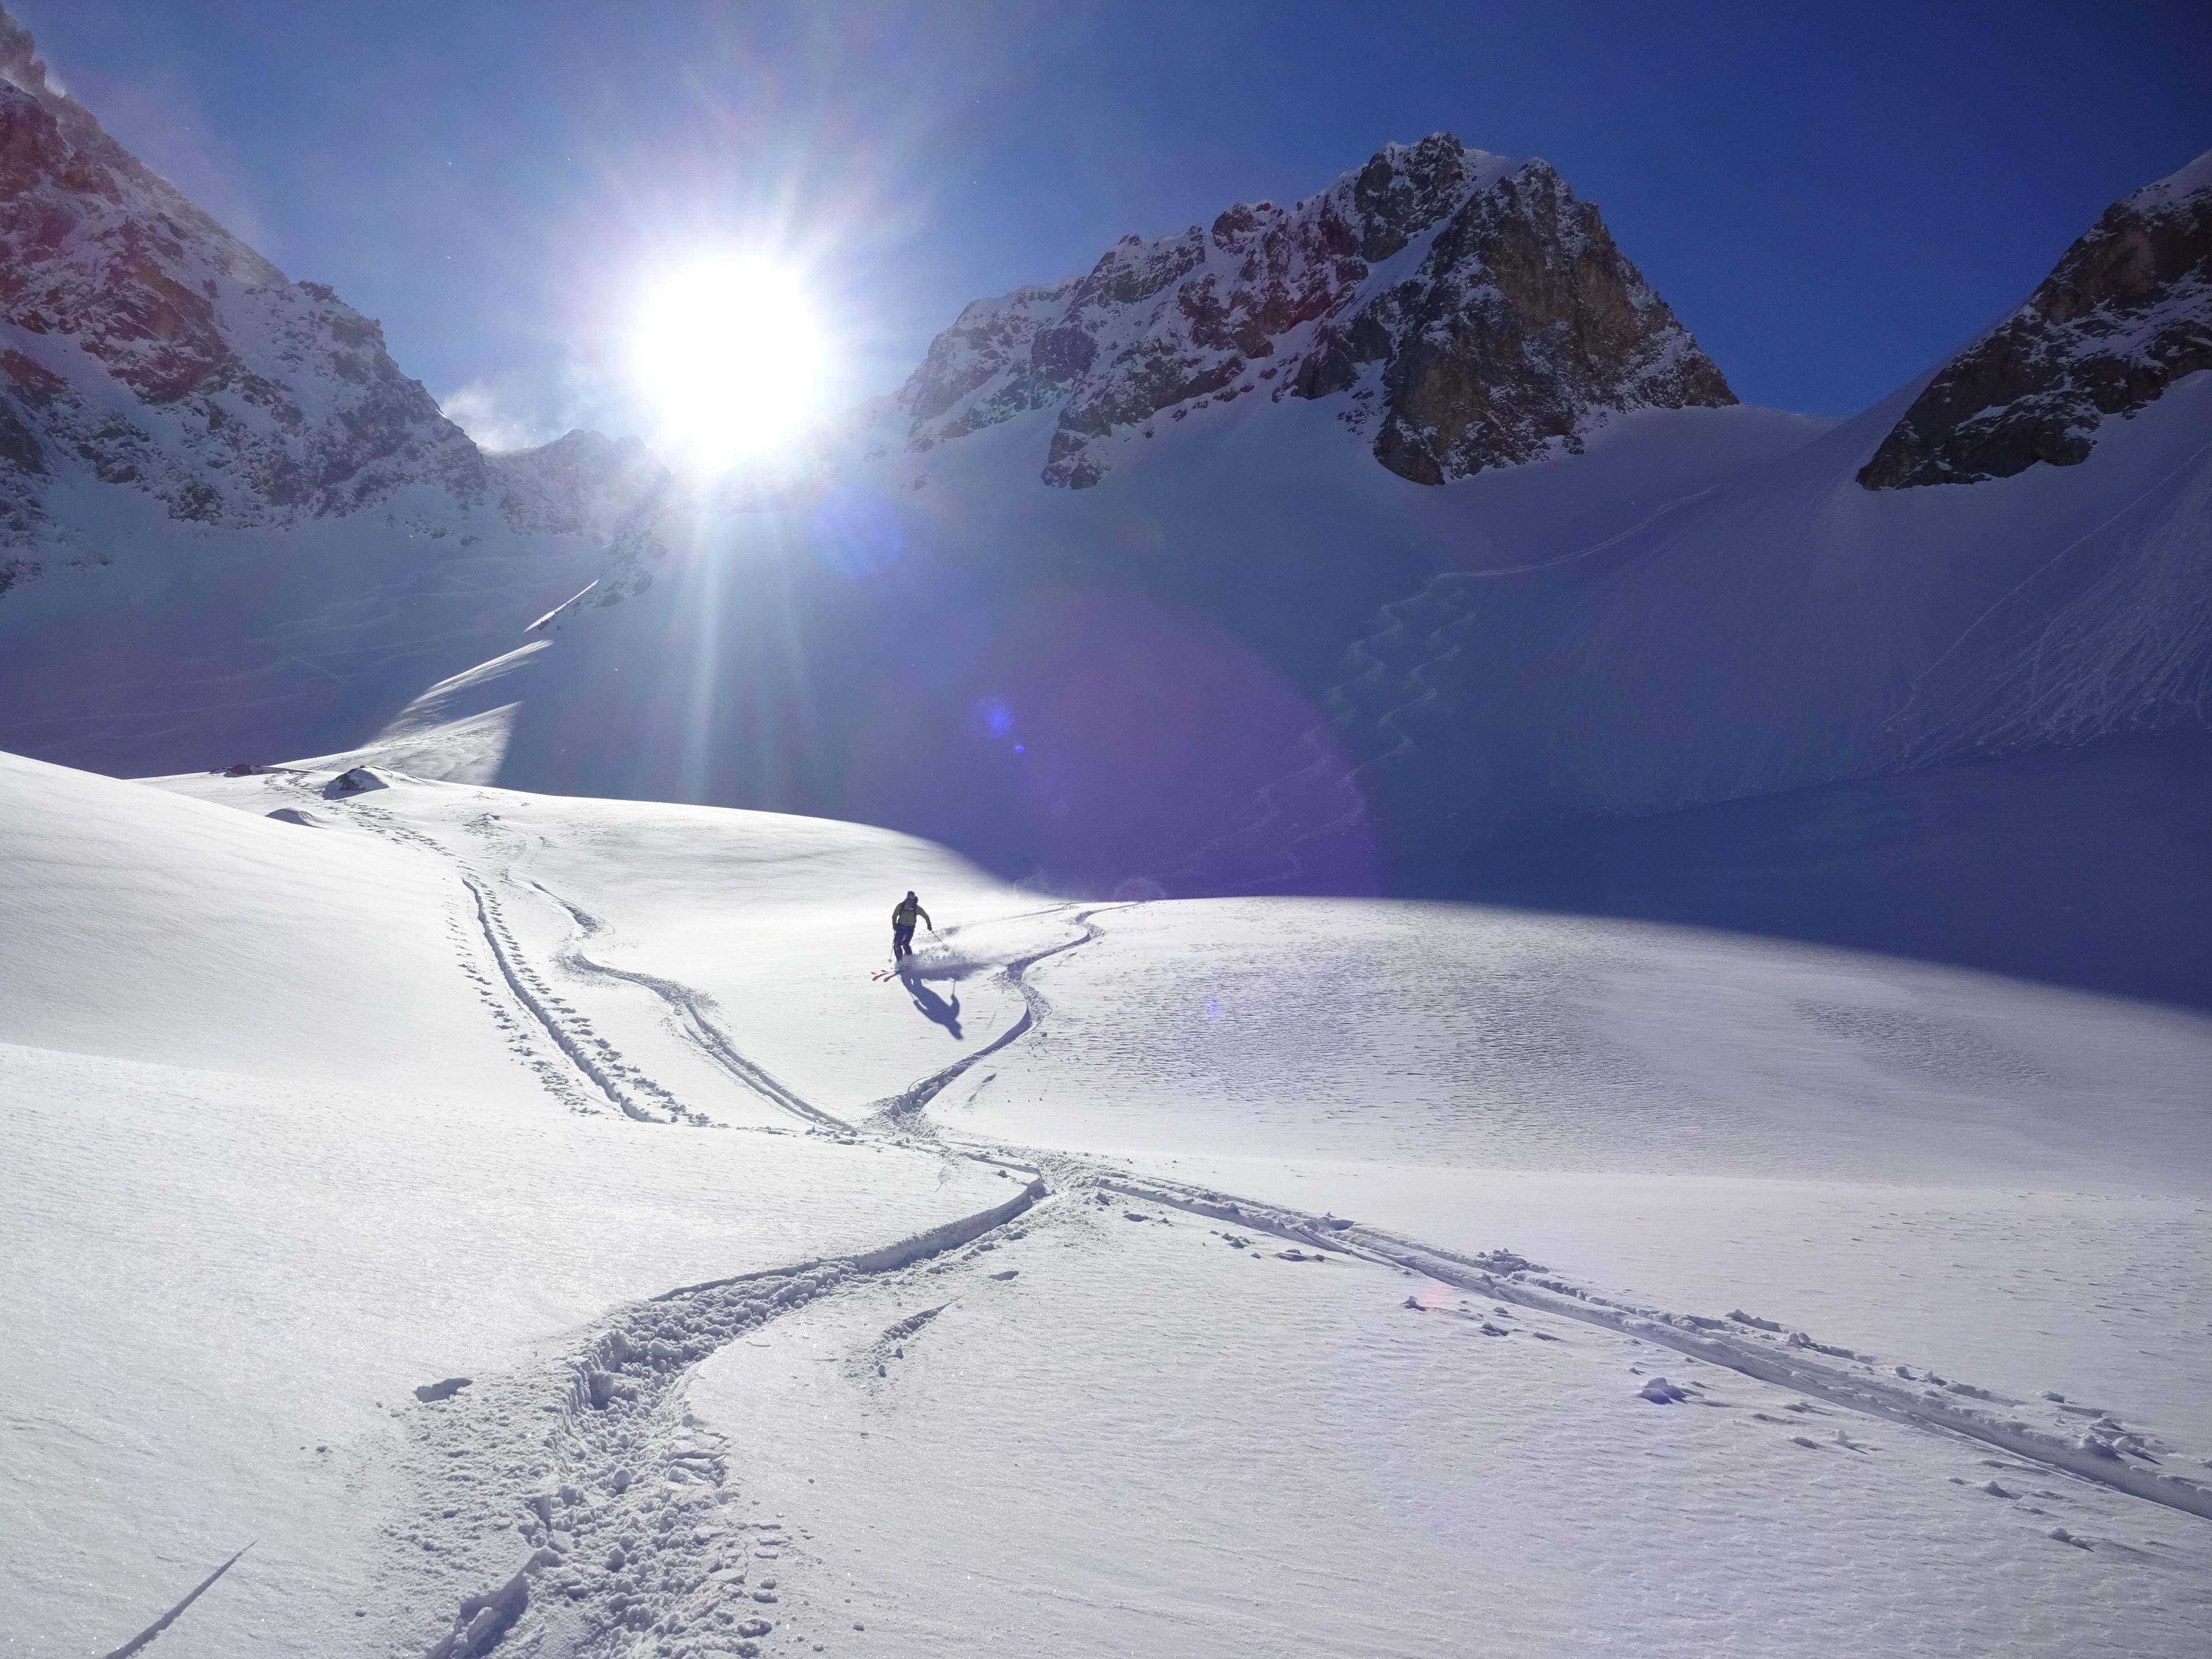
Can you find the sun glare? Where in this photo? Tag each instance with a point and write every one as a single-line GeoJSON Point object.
{"type": "Point", "coordinates": [728, 351]}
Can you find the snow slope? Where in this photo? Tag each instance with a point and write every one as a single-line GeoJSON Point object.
{"type": "Point", "coordinates": [1245, 657]}
{"type": "Point", "coordinates": [1791, 627]}
{"type": "Point", "coordinates": [999, 1307]}
{"type": "Point", "coordinates": [1649, 1103]}
{"type": "Point", "coordinates": [284, 1144]}
{"type": "Point", "coordinates": [198, 647]}
{"type": "Point", "coordinates": [1151, 1441]}
{"type": "Point", "coordinates": [1087, 685]}
{"type": "Point", "coordinates": [2082, 867]}
{"type": "Point", "coordinates": [1243, 661]}
{"type": "Point", "coordinates": [1099, 686]}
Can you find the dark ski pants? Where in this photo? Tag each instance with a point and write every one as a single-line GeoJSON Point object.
{"type": "Point", "coordinates": [903, 941]}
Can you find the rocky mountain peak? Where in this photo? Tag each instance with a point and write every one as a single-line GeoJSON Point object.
{"type": "Point", "coordinates": [19, 63]}
{"type": "Point", "coordinates": [1400, 192]}
{"type": "Point", "coordinates": [1467, 307]}
{"type": "Point", "coordinates": [144, 347]}
{"type": "Point", "coordinates": [2126, 313]}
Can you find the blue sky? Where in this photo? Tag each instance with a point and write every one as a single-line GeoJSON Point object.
{"type": "Point", "coordinates": [1831, 197]}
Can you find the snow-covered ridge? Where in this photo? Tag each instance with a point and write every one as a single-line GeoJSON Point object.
{"type": "Point", "coordinates": [1477, 313]}
{"type": "Point", "coordinates": [142, 346]}
{"type": "Point", "coordinates": [2125, 313]}
{"type": "Point", "coordinates": [2175, 188]}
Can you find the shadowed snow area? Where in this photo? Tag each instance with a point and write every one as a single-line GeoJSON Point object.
{"type": "Point", "coordinates": [541, 1225]}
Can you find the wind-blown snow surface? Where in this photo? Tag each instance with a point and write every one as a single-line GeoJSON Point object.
{"type": "Point", "coordinates": [775, 1348]}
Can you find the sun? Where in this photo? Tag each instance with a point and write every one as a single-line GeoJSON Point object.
{"type": "Point", "coordinates": [728, 352]}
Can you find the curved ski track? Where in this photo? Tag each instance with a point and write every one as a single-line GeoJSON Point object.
{"type": "Point", "coordinates": [2107, 1452]}
{"type": "Point", "coordinates": [604, 1074]}
{"type": "Point", "coordinates": [613, 1401]}
{"type": "Point", "coordinates": [689, 1008]}
{"type": "Point", "coordinates": [900, 1108]}
{"type": "Point", "coordinates": [580, 1494]}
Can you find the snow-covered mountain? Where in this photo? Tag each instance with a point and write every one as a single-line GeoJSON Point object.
{"type": "Point", "coordinates": [1925, 664]}
{"type": "Point", "coordinates": [1475, 311]}
{"type": "Point", "coordinates": [1445, 311]}
{"type": "Point", "coordinates": [2127, 313]}
{"type": "Point", "coordinates": [1821, 619]}
{"type": "Point", "coordinates": [460, 1221]}
{"type": "Point", "coordinates": [145, 348]}
{"type": "Point", "coordinates": [1487, 550]}
{"type": "Point", "coordinates": [1708, 603]}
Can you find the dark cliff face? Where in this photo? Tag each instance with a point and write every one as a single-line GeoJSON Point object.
{"type": "Point", "coordinates": [1469, 310]}
{"type": "Point", "coordinates": [143, 346]}
{"type": "Point", "coordinates": [1524, 322]}
{"type": "Point", "coordinates": [2127, 313]}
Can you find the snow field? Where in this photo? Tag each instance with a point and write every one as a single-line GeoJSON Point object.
{"type": "Point", "coordinates": [147, 642]}
{"type": "Point", "coordinates": [1420, 1034]}
{"type": "Point", "coordinates": [2097, 1296]}
{"type": "Point", "coordinates": [761, 925]}
{"type": "Point", "coordinates": [1116, 1431]}
{"type": "Point", "coordinates": [156, 929]}
{"type": "Point", "coordinates": [692, 1176]}
{"type": "Point", "coordinates": [380, 1172]}
{"type": "Point", "coordinates": [1937, 1166]}
{"type": "Point", "coordinates": [227, 1290]}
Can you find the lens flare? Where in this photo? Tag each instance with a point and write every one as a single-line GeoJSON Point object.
{"type": "Point", "coordinates": [730, 353]}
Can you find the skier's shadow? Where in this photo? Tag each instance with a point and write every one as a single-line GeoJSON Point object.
{"type": "Point", "coordinates": [934, 1007]}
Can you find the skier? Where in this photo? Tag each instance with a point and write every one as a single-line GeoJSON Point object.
{"type": "Point", "coordinates": [902, 919]}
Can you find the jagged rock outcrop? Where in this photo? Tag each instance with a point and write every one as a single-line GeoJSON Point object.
{"type": "Point", "coordinates": [1469, 308]}
{"type": "Point", "coordinates": [2126, 313]}
{"type": "Point", "coordinates": [143, 346]}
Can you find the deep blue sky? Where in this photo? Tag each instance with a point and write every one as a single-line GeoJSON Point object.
{"type": "Point", "coordinates": [1832, 198]}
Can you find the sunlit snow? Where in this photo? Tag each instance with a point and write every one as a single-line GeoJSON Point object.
{"type": "Point", "coordinates": [528, 1215]}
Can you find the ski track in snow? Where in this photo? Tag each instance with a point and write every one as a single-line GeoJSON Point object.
{"type": "Point", "coordinates": [903, 1109]}
{"type": "Point", "coordinates": [2106, 1450]}
{"type": "Point", "coordinates": [688, 1007]}
{"type": "Point", "coordinates": [598, 1072]}
{"type": "Point", "coordinates": [145, 1638]}
{"type": "Point", "coordinates": [620, 1504]}
{"type": "Point", "coordinates": [538, 1000]}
